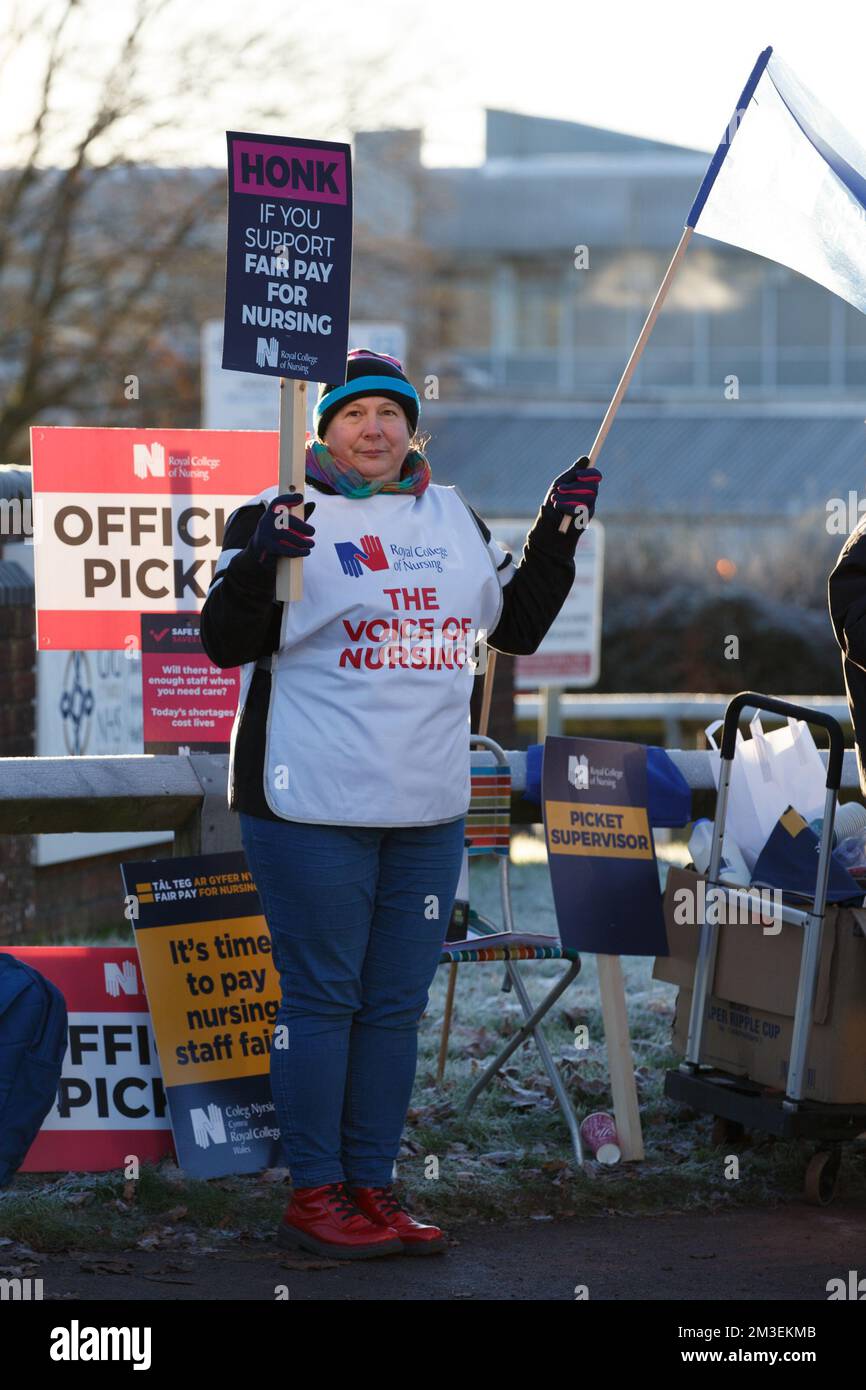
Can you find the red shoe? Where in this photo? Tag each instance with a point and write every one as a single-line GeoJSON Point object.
{"type": "Point", "coordinates": [381, 1206]}
{"type": "Point", "coordinates": [325, 1220]}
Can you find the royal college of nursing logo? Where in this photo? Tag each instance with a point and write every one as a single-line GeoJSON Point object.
{"type": "Point", "coordinates": [208, 1126]}
{"type": "Point", "coordinates": [368, 554]}
{"type": "Point", "coordinates": [578, 772]}
{"type": "Point", "coordinates": [120, 979]}
{"type": "Point", "coordinates": [148, 460]}
{"type": "Point", "coordinates": [151, 461]}
{"type": "Point", "coordinates": [582, 773]}
{"type": "Point", "coordinates": [267, 352]}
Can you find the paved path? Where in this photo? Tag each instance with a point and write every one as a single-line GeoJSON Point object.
{"type": "Point", "coordinates": [786, 1253]}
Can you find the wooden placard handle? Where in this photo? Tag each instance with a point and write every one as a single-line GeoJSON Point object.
{"type": "Point", "coordinates": [293, 448]}
{"type": "Point", "coordinates": [620, 1063]}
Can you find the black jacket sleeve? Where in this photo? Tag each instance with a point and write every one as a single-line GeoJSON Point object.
{"type": "Point", "coordinates": [240, 618]}
{"type": "Point", "coordinates": [537, 588]}
{"type": "Point", "coordinates": [846, 592]}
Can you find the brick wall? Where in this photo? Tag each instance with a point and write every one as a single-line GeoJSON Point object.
{"type": "Point", "coordinates": [85, 896]}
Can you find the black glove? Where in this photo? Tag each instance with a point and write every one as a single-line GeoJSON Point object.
{"type": "Point", "coordinates": [282, 535]}
{"type": "Point", "coordinates": [572, 491]}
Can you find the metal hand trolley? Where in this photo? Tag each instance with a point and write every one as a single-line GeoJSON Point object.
{"type": "Point", "coordinates": [737, 1103]}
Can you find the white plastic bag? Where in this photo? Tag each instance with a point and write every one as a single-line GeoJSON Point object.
{"type": "Point", "coordinates": [796, 764]}
{"type": "Point", "coordinates": [755, 798]}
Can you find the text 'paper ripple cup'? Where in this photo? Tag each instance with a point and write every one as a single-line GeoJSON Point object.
{"type": "Point", "coordinates": [598, 1132]}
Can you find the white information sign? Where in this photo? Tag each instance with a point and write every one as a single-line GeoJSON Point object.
{"type": "Point", "coordinates": [88, 703]}
{"type": "Point", "coordinates": [570, 653]}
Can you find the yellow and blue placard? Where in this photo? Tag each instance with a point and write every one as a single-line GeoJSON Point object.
{"type": "Point", "coordinates": [600, 847]}
{"type": "Point", "coordinates": [214, 994]}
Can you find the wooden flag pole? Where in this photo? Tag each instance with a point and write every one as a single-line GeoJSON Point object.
{"type": "Point", "coordinates": [620, 1062]}
{"type": "Point", "coordinates": [610, 980]}
{"type": "Point", "coordinates": [487, 692]}
{"type": "Point", "coordinates": [452, 974]}
{"type": "Point", "coordinates": [637, 350]}
{"type": "Point", "coordinates": [293, 435]}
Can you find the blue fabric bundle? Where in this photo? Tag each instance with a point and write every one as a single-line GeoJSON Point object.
{"type": "Point", "coordinates": [789, 861]}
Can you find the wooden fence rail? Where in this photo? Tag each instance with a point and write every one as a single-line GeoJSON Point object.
{"type": "Point", "coordinates": [187, 794]}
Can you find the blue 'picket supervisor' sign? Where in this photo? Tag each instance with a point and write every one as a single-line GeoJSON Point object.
{"type": "Point", "coordinates": [600, 847]}
{"type": "Point", "coordinates": [288, 257]}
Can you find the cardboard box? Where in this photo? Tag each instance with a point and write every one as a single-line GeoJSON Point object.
{"type": "Point", "coordinates": [749, 1016]}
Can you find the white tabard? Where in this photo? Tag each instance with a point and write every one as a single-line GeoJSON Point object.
{"type": "Point", "coordinates": [368, 722]}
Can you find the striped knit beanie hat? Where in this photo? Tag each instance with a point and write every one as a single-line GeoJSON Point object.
{"type": "Point", "coordinates": [368, 374]}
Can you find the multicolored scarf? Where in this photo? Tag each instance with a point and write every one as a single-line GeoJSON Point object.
{"type": "Point", "coordinates": [321, 464]}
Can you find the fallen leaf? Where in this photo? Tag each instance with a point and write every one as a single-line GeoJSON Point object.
{"type": "Point", "coordinates": [590, 1089]}
{"type": "Point", "coordinates": [104, 1264]}
{"type": "Point", "coordinates": [480, 1043]}
{"type": "Point", "coordinates": [150, 1242]}
{"type": "Point", "coordinates": [439, 1110]}
{"type": "Point", "coordinates": [571, 1017]}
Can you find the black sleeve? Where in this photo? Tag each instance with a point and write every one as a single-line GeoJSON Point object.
{"type": "Point", "coordinates": [240, 619]}
{"type": "Point", "coordinates": [846, 592]}
{"type": "Point", "coordinates": [534, 591]}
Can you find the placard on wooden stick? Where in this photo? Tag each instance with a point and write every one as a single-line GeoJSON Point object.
{"type": "Point", "coordinates": [605, 884]}
{"type": "Point", "coordinates": [288, 279]}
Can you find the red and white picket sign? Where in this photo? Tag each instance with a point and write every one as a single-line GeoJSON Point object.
{"type": "Point", "coordinates": [131, 521]}
{"type": "Point", "coordinates": [110, 1102]}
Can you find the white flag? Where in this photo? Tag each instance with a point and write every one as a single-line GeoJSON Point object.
{"type": "Point", "coordinates": [789, 183]}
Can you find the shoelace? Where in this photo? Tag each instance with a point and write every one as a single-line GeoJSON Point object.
{"type": "Point", "coordinates": [387, 1199]}
{"type": "Point", "coordinates": [341, 1202]}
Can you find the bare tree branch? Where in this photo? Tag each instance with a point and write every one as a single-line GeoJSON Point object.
{"type": "Point", "coordinates": [108, 263]}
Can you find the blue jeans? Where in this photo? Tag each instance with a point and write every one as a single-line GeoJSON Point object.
{"type": "Point", "coordinates": [357, 918]}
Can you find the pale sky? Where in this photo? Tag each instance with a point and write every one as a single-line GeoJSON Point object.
{"type": "Point", "coordinates": [670, 69]}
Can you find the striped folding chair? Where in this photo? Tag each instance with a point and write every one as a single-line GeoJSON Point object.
{"type": "Point", "coordinates": [488, 831]}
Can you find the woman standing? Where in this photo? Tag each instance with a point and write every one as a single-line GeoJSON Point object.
{"type": "Point", "coordinates": [349, 768]}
